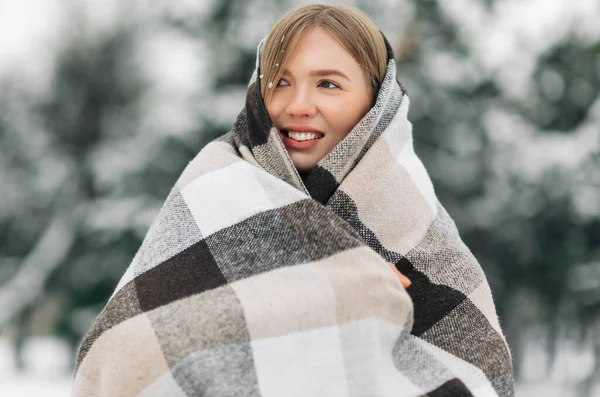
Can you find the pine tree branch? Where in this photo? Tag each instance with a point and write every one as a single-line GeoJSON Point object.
{"type": "Point", "coordinates": [28, 284]}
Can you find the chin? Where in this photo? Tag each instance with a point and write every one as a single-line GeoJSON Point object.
{"type": "Point", "coordinates": [304, 168]}
{"type": "Point", "coordinates": [303, 164]}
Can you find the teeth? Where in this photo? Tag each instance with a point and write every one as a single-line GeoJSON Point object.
{"type": "Point", "coordinates": [304, 136]}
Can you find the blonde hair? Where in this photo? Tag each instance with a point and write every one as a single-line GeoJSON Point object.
{"type": "Point", "coordinates": [353, 29]}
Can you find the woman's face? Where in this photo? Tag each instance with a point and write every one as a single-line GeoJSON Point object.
{"type": "Point", "coordinates": [320, 98]}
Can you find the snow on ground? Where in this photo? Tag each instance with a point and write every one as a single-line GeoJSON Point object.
{"type": "Point", "coordinates": [47, 361]}
{"type": "Point", "coordinates": [29, 386]}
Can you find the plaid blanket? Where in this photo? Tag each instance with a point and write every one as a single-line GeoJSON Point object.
{"type": "Point", "coordinates": [255, 281]}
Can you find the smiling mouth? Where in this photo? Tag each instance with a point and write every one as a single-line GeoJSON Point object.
{"type": "Point", "coordinates": [302, 136]}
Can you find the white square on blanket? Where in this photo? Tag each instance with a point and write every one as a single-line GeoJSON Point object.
{"type": "Point", "coordinates": [308, 363]}
{"type": "Point", "coordinates": [229, 195]}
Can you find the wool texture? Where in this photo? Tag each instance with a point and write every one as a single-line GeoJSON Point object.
{"type": "Point", "coordinates": [253, 281]}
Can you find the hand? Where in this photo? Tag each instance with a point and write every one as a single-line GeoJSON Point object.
{"type": "Point", "coordinates": [405, 281]}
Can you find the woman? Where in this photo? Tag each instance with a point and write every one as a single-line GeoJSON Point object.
{"type": "Point", "coordinates": [265, 273]}
{"type": "Point", "coordinates": [331, 90]}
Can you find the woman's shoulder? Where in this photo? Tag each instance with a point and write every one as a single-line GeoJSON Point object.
{"type": "Point", "coordinates": [217, 154]}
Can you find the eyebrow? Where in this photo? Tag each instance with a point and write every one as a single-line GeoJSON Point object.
{"type": "Point", "coordinates": [324, 72]}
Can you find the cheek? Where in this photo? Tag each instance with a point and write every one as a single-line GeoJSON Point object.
{"type": "Point", "coordinates": [277, 106]}
{"type": "Point", "coordinates": [345, 114]}
{"type": "Point", "coordinates": [272, 111]}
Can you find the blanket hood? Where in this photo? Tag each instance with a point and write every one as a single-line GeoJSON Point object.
{"type": "Point", "coordinates": [258, 138]}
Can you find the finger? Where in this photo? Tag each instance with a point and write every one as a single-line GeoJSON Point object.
{"type": "Point", "coordinates": [405, 281]}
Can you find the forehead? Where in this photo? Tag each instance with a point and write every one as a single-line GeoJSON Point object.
{"type": "Point", "coordinates": [318, 49]}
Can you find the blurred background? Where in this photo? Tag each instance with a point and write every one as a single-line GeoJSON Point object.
{"type": "Point", "coordinates": [103, 103]}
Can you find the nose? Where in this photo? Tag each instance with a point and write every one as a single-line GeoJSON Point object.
{"type": "Point", "coordinates": [301, 105]}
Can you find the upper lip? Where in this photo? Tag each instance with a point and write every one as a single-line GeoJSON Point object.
{"type": "Point", "coordinates": [301, 128]}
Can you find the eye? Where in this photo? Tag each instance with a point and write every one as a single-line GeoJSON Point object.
{"type": "Point", "coordinates": [328, 84]}
{"type": "Point", "coordinates": [282, 82]}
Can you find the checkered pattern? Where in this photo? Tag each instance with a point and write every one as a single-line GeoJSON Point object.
{"type": "Point", "coordinates": [254, 282]}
